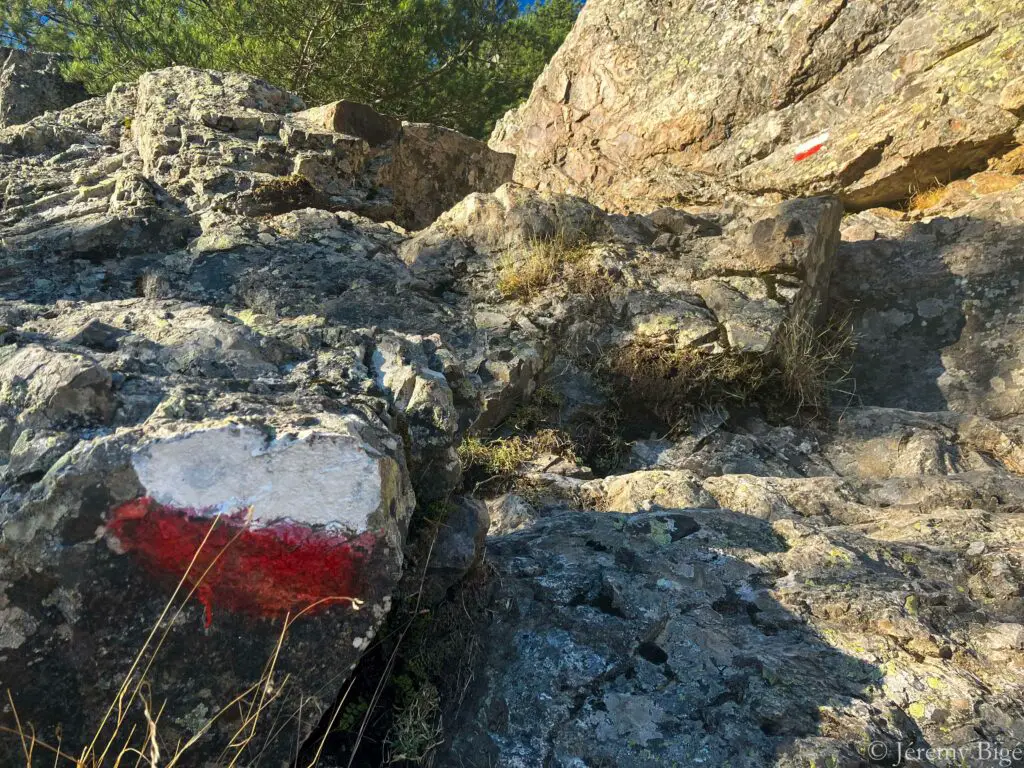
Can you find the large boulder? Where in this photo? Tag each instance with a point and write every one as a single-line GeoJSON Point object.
{"type": "Point", "coordinates": [164, 454]}
{"type": "Point", "coordinates": [31, 84]}
{"type": "Point", "coordinates": [650, 103]}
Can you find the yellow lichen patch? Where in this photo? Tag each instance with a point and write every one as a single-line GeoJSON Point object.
{"type": "Point", "coordinates": [1012, 162]}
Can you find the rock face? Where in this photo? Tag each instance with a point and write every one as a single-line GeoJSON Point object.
{"type": "Point", "coordinates": [163, 158]}
{"type": "Point", "coordinates": [937, 305]}
{"type": "Point", "coordinates": [31, 84]}
{"type": "Point", "coordinates": [220, 393]}
{"type": "Point", "coordinates": [651, 103]}
{"type": "Point", "coordinates": [766, 597]}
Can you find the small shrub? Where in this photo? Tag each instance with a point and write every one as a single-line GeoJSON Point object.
{"type": "Point", "coordinates": [813, 365]}
{"type": "Point", "coordinates": [670, 381]}
{"type": "Point", "coordinates": [801, 372]}
{"type": "Point", "coordinates": [597, 435]}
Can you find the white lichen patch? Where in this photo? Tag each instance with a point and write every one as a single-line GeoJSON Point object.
{"type": "Point", "coordinates": [16, 625]}
{"type": "Point", "coordinates": [195, 721]}
{"type": "Point", "coordinates": [67, 601]}
{"type": "Point", "coordinates": [312, 478]}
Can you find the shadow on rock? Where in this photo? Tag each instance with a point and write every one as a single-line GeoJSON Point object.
{"type": "Point", "coordinates": [936, 308]}
{"type": "Point", "coordinates": [652, 640]}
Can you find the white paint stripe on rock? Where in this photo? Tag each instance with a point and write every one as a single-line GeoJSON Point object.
{"type": "Point", "coordinates": [314, 479]}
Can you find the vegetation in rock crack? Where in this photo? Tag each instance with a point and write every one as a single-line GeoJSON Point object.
{"type": "Point", "coordinates": [802, 371]}
{"type": "Point", "coordinates": [537, 432]}
{"type": "Point", "coordinates": [460, 63]}
{"type": "Point", "coordinates": [416, 673]}
{"type": "Point", "coordinates": [1000, 179]}
{"type": "Point", "coordinates": [286, 193]}
{"type": "Point", "coordinates": [503, 457]}
{"type": "Point", "coordinates": [927, 198]}
{"type": "Point", "coordinates": [525, 271]}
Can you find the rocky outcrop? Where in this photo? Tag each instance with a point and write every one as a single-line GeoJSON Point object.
{"type": "Point", "coordinates": [246, 413]}
{"type": "Point", "coordinates": [650, 103]}
{"type": "Point", "coordinates": [31, 84]}
{"type": "Point", "coordinates": [161, 159]}
{"type": "Point", "coordinates": [221, 394]}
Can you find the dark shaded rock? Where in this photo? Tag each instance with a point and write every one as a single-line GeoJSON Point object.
{"type": "Point", "coordinates": [458, 548]}
{"type": "Point", "coordinates": [357, 119]}
{"type": "Point", "coordinates": [936, 306]}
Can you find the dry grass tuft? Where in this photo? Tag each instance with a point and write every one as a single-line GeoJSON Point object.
{"type": "Point", "coordinates": [1012, 162]}
{"type": "Point", "coordinates": [813, 365]}
{"type": "Point", "coordinates": [803, 370]}
{"type": "Point", "coordinates": [928, 198]}
{"type": "Point", "coordinates": [669, 380]}
{"type": "Point", "coordinates": [417, 729]}
{"type": "Point", "coordinates": [523, 273]}
{"type": "Point", "coordinates": [998, 178]}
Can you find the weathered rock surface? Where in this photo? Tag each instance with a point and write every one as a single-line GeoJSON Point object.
{"type": "Point", "coordinates": [217, 335]}
{"type": "Point", "coordinates": [856, 592]}
{"type": "Point", "coordinates": [649, 103]}
{"type": "Point", "coordinates": [161, 159]}
{"type": "Point", "coordinates": [31, 84]}
{"type": "Point", "coordinates": [195, 340]}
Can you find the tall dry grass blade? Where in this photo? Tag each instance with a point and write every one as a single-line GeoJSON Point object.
{"type": "Point", "coordinates": [170, 624]}
{"type": "Point", "coordinates": [154, 747]}
{"type": "Point", "coordinates": [252, 718]}
{"type": "Point", "coordinates": [127, 750]}
{"type": "Point", "coordinates": [57, 752]}
{"type": "Point", "coordinates": [181, 750]}
{"type": "Point", "coordinates": [330, 727]}
{"type": "Point", "coordinates": [119, 698]}
{"type": "Point", "coordinates": [19, 730]}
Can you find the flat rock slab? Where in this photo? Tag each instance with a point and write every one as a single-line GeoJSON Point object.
{"type": "Point", "coordinates": [786, 596]}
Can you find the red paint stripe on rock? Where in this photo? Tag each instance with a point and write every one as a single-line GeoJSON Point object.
{"type": "Point", "coordinates": [808, 153]}
{"type": "Point", "coordinates": [285, 567]}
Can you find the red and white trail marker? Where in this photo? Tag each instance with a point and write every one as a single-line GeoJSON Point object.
{"type": "Point", "coordinates": [811, 147]}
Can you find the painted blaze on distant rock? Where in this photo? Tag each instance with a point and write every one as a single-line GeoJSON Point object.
{"type": "Point", "coordinates": [295, 520]}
